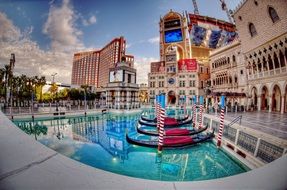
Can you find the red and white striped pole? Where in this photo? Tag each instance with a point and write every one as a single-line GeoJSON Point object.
{"type": "Point", "coordinates": [194, 111]}
{"type": "Point", "coordinates": [221, 125]}
{"type": "Point", "coordinates": [157, 111]}
{"type": "Point", "coordinates": [200, 111]}
{"type": "Point", "coordinates": [161, 122]}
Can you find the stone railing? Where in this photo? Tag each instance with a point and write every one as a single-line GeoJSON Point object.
{"type": "Point", "coordinates": [247, 142]}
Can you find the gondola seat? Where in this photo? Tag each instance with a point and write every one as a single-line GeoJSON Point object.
{"type": "Point", "coordinates": [174, 132]}
{"type": "Point", "coordinates": [177, 140]}
{"type": "Point", "coordinates": [170, 121]}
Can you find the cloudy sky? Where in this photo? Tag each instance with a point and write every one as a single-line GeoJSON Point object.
{"type": "Point", "coordinates": [44, 35]}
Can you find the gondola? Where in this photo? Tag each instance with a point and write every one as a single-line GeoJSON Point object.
{"type": "Point", "coordinates": [172, 132]}
{"type": "Point", "coordinates": [173, 142]}
{"type": "Point", "coordinates": [154, 119]}
{"type": "Point", "coordinates": [169, 122]}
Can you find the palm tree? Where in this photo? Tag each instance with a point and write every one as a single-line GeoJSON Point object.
{"type": "Point", "coordinates": [7, 72]}
{"type": "Point", "coordinates": [41, 83]}
{"type": "Point", "coordinates": [2, 76]}
{"type": "Point", "coordinates": [53, 89]}
{"type": "Point", "coordinates": [16, 82]}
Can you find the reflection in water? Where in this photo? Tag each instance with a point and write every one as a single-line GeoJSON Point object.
{"type": "Point", "coordinates": [100, 141]}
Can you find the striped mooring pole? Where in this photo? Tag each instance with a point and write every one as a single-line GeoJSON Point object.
{"type": "Point", "coordinates": [200, 111]}
{"type": "Point", "coordinates": [194, 111]}
{"type": "Point", "coordinates": [161, 122]}
{"type": "Point", "coordinates": [221, 125]}
{"type": "Point", "coordinates": [157, 108]}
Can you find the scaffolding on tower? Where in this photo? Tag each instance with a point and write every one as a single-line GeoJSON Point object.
{"type": "Point", "coordinates": [228, 12]}
{"type": "Point", "coordinates": [195, 7]}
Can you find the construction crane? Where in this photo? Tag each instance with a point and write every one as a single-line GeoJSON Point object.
{"type": "Point", "coordinates": [195, 7]}
{"type": "Point", "coordinates": [224, 7]}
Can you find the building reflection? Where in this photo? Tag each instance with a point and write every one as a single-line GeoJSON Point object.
{"type": "Point", "coordinates": [107, 131]}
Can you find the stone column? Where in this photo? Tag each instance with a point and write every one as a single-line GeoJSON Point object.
{"type": "Point", "coordinates": [282, 103]}
{"type": "Point", "coordinates": [128, 99]}
{"type": "Point", "coordinates": [259, 102]}
{"type": "Point", "coordinates": [270, 103]}
{"type": "Point", "coordinates": [107, 99]}
{"type": "Point", "coordinates": [118, 95]}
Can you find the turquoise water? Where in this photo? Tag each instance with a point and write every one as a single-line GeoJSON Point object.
{"type": "Point", "coordinates": [99, 141]}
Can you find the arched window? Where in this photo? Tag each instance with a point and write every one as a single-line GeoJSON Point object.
{"type": "Point", "coordinates": [273, 14]}
{"type": "Point", "coordinates": [233, 58]}
{"type": "Point", "coordinates": [276, 61]}
{"type": "Point", "coordinates": [282, 60]}
{"type": "Point", "coordinates": [252, 29]}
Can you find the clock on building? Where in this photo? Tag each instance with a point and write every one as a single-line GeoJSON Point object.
{"type": "Point", "coordinates": [171, 80]}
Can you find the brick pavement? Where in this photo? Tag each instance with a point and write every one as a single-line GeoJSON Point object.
{"type": "Point", "coordinates": [271, 123]}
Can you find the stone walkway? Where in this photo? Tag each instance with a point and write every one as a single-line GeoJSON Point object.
{"type": "Point", "coordinates": [271, 123]}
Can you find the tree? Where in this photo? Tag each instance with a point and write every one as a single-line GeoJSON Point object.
{"type": "Point", "coordinates": [53, 89]}
{"type": "Point", "coordinates": [2, 76]}
{"type": "Point", "coordinates": [7, 72]}
{"type": "Point", "coordinates": [40, 83]}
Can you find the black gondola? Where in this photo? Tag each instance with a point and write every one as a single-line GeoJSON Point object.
{"type": "Point", "coordinates": [172, 132]}
{"type": "Point", "coordinates": [173, 142]}
{"type": "Point", "coordinates": [154, 119]}
{"type": "Point", "coordinates": [171, 123]}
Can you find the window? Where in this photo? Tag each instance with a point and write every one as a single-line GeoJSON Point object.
{"type": "Point", "coordinates": [252, 29]}
{"type": "Point", "coordinates": [181, 83]}
{"type": "Point", "coordinates": [241, 72]}
{"type": "Point", "coordinates": [273, 14]}
{"type": "Point", "coordinates": [192, 83]}
{"type": "Point", "coordinates": [233, 58]}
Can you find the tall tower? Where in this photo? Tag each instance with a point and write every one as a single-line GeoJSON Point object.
{"type": "Point", "coordinates": [174, 41]}
{"type": "Point", "coordinates": [176, 73]}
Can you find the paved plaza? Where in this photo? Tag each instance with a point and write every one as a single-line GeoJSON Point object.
{"type": "Point", "coordinates": [271, 123]}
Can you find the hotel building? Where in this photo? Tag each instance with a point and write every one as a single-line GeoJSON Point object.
{"type": "Point", "coordinates": [92, 67]}
{"type": "Point", "coordinates": [228, 75]}
{"type": "Point", "coordinates": [183, 69]}
{"type": "Point", "coordinates": [253, 69]}
{"type": "Point", "coordinates": [262, 28]}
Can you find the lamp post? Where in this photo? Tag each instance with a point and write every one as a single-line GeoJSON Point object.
{"type": "Point", "coordinates": [53, 75]}
{"type": "Point", "coordinates": [53, 81]}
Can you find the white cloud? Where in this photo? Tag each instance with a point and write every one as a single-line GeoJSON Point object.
{"type": "Point", "coordinates": [142, 65]}
{"type": "Point", "coordinates": [60, 27]}
{"type": "Point", "coordinates": [154, 40]}
{"type": "Point", "coordinates": [8, 32]}
{"type": "Point", "coordinates": [30, 59]}
{"type": "Point", "coordinates": [90, 21]}
{"type": "Point", "coordinates": [128, 46]}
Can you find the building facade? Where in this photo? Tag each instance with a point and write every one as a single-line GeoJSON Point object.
{"type": "Point", "coordinates": [262, 28]}
{"type": "Point", "coordinates": [183, 69]}
{"type": "Point", "coordinates": [122, 90]}
{"type": "Point", "coordinates": [228, 75]}
{"type": "Point", "coordinates": [92, 68]}
{"type": "Point", "coordinates": [85, 68]}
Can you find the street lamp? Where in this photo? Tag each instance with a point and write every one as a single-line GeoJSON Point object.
{"type": "Point", "coordinates": [53, 75]}
{"type": "Point", "coordinates": [53, 81]}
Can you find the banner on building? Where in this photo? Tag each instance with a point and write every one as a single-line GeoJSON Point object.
{"type": "Point", "coordinates": [197, 35]}
{"type": "Point", "coordinates": [187, 65]}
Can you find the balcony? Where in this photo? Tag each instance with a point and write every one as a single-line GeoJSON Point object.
{"type": "Point", "coordinates": [267, 74]}
{"type": "Point", "coordinates": [121, 84]}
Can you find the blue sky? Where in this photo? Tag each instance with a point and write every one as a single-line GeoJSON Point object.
{"type": "Point", "coordinates": [45, 34]}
